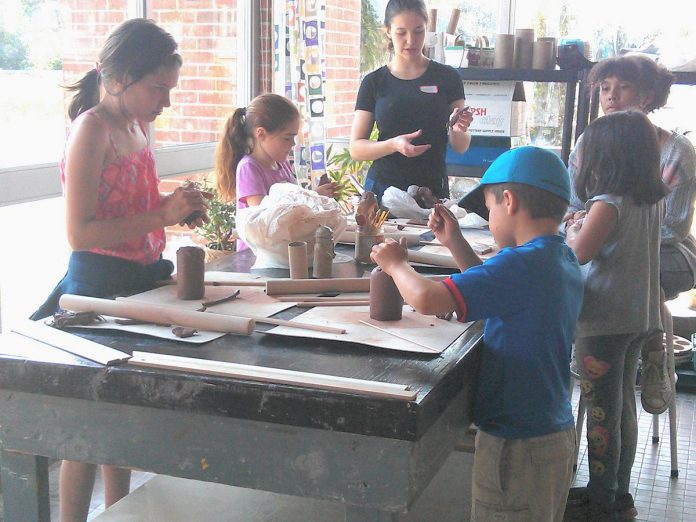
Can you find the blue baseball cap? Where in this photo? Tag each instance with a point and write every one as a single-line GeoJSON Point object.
{"type": "Point", "coordinates": [533, 166]}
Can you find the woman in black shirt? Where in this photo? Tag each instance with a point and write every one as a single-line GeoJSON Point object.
{"type": "Point", "coordinates": [413, 100]}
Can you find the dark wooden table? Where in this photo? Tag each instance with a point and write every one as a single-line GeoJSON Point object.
{"type": "Point", "coordinates": [375, 455]}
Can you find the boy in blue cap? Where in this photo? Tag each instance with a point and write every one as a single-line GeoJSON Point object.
{"type": "Point", "coordinates": [530, 294]}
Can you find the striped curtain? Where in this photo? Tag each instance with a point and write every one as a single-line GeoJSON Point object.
{"type": "Point", "coordinates": [299, 72]}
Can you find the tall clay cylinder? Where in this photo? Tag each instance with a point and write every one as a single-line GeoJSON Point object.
{"type": "Point", "coordinates": [542, 55]}
{"type": "Point", "coordinates": [554, 50]}
{"type": "Point", "coordinates": [190, 273]}
{"type": "Point", "coordinates": [504, 57]}
{"type": "Point", "coordinates": [524, 41]}
{"type": "Point", "coordinates": [386, 303]}
{"type": "Point", "coordinates": [453, 21]}
{"type": "Point", "coordinates": [297, 259]}
{"type": "Point", "coordinates": [432, 21]}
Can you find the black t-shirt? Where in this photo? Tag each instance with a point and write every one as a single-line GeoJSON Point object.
{"type": "Point", "coordinates": [404, 106]}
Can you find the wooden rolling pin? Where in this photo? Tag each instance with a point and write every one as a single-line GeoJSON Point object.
{"type": "Point", "coordinates": [158, 314]}
{"type": "Point", "coordinates": [426, 258]}
{"type": "Point", "coordinates": [319, 286]}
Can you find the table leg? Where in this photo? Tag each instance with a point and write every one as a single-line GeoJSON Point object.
{"type": "Point", "coordinates": [360, 514]}
{"type": "Point", "coordinates": [25, 487]}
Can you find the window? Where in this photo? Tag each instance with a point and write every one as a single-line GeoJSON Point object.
{"type": "Point", "coordinates": [41, 48]}
{"type": "Point", "coordinates": [45, 44]}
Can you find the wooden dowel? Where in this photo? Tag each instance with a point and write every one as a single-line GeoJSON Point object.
{"type": "Point", "coordinates": [296, 324]}
{"type": "Point", "coordinates": [301, 299]}
{"type": "Point", "coordinates": [273, 375]}
{"type": "Point", "coordinates": [310, 304]}
{"type": "Point", "coordinates": [218, 283]}
{"type": "Point", "coordinates": [429, 348]}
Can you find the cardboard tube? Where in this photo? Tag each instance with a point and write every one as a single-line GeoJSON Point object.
{"type": "Point", "coordinates": [158, 314]}
{"type": "Point", "coordinates": [297, 258]}
{"type": "Point", "coordinates": [504, 51]}
{"type": "Point", "coordinates": [432, 20]}
{"type": "Point", "coordinates": [453, 21]}
{"type": "Point", "coordinates": [190, 273]}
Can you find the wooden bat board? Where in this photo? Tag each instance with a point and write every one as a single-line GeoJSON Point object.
{"type": "Point", "coordinates": [436, 333]}
{"type": "Point", "coordinates": [252, 300]}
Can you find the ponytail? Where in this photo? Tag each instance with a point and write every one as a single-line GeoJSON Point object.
{"type": "Point", "coordinates": [86, 93]}
{"type": "Point", "coordinates": [134, 49]}
{"type": "Point", "coordinates": [269, 111]}
{"type": "Point", "coordinates": [233, 146]}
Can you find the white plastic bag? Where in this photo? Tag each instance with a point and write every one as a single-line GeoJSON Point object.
{"type": "Point", "coordinates": [401, 205]}
{"type": "Point", "coordinates": [289, 213]}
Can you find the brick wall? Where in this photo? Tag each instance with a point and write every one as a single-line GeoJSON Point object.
{"type": "Point", "coordinates": [342, 49]}
{"type": "Point", "coordinates": [206, 33]}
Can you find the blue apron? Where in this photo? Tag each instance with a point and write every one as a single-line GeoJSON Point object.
{"type": "Point", "coordinates": [96, 275]}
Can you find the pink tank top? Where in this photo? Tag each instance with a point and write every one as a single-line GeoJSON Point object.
{"type": "Point", "coordinates": [129, 186]}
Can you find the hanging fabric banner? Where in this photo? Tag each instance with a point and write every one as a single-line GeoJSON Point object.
{"type": "Point", "coordinates": [300, 73]}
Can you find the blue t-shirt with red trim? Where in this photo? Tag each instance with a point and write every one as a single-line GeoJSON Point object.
{"type": "Point", "coordinates": [530, 297]}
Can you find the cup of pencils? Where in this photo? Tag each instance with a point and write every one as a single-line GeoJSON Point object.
{"type": "Point", "coordinates": [369, 231]}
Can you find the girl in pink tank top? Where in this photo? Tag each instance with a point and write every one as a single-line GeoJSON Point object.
{"type": "Point", "coordinates": [115, 216]}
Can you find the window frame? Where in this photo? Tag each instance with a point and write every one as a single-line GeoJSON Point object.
{"type": "Point", "coordinates": [33, 182]}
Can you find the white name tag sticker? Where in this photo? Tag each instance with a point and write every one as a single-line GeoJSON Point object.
{"type": "Point", "coordinates": [429, 89]}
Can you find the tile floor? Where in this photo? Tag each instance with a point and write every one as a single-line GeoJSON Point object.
{"type": "Point", "coordinates": [658, 497]}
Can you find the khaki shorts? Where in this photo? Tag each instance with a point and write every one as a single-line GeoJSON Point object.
{"type": "Point", "coordinates": [522, 480]}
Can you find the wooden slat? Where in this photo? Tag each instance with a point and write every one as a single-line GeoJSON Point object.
{"type": "Point", "coordinates": [70, 343]}
{"type": "Point", "coordinates": [273, 375]}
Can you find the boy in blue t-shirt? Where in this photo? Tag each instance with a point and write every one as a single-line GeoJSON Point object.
{"type": "Point", "coordinates": [530, 294]}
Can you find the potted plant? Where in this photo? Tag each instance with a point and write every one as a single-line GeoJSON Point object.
{"type": "Point", "coordinates": [341, 168]}
{"type": "Point", "coordinates": [219, 233]}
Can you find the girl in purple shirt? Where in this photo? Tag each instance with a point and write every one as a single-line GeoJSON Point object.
{"type": "Point", "coordinates": [253, 152]}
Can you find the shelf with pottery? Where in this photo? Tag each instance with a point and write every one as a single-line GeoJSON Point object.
{"type": "Point", "coordinates": [571, 77]}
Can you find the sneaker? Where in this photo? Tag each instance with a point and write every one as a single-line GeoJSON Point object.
{"type": "Point", "coordinates": [578, 496]}
{"type": "Point", "coordinates": [594, 513]}
{"type": "Point", "coordinates": [624, 507]}
{"type": "Point", "coordinates": [656, 389]}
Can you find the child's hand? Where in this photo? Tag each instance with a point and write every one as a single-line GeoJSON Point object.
{"type": "Point", "coordinates": [327, 189]}
{"type": "Point", "coordinates": [444, 225]}
{"type": "Point", "coordinates": [573, 218]}
{"type": "Point", "coordinates": [185, 206]}
{"type": "Point", "coordinates": [389, 254]}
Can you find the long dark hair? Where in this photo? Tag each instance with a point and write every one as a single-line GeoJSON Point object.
{"type": "Point", "coordinates": [134, 49]}
{"type": "Point", "coordinates": [269, 111]}
{"type": "Point", "coordinates": [396, 7]}
{"type": "Point", "coordinates": [621, 156]}
{"type": "Point", "coordinates": [648, 76]}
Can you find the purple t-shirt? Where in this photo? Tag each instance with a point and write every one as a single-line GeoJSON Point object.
{"type": "Point", "coordinates": [253, 179]}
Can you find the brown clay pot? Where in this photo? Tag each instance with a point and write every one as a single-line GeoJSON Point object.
{"type": "Point", "coordinates": [190, 273]}
{"type": "Point", "coordinates": [386, 303]}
